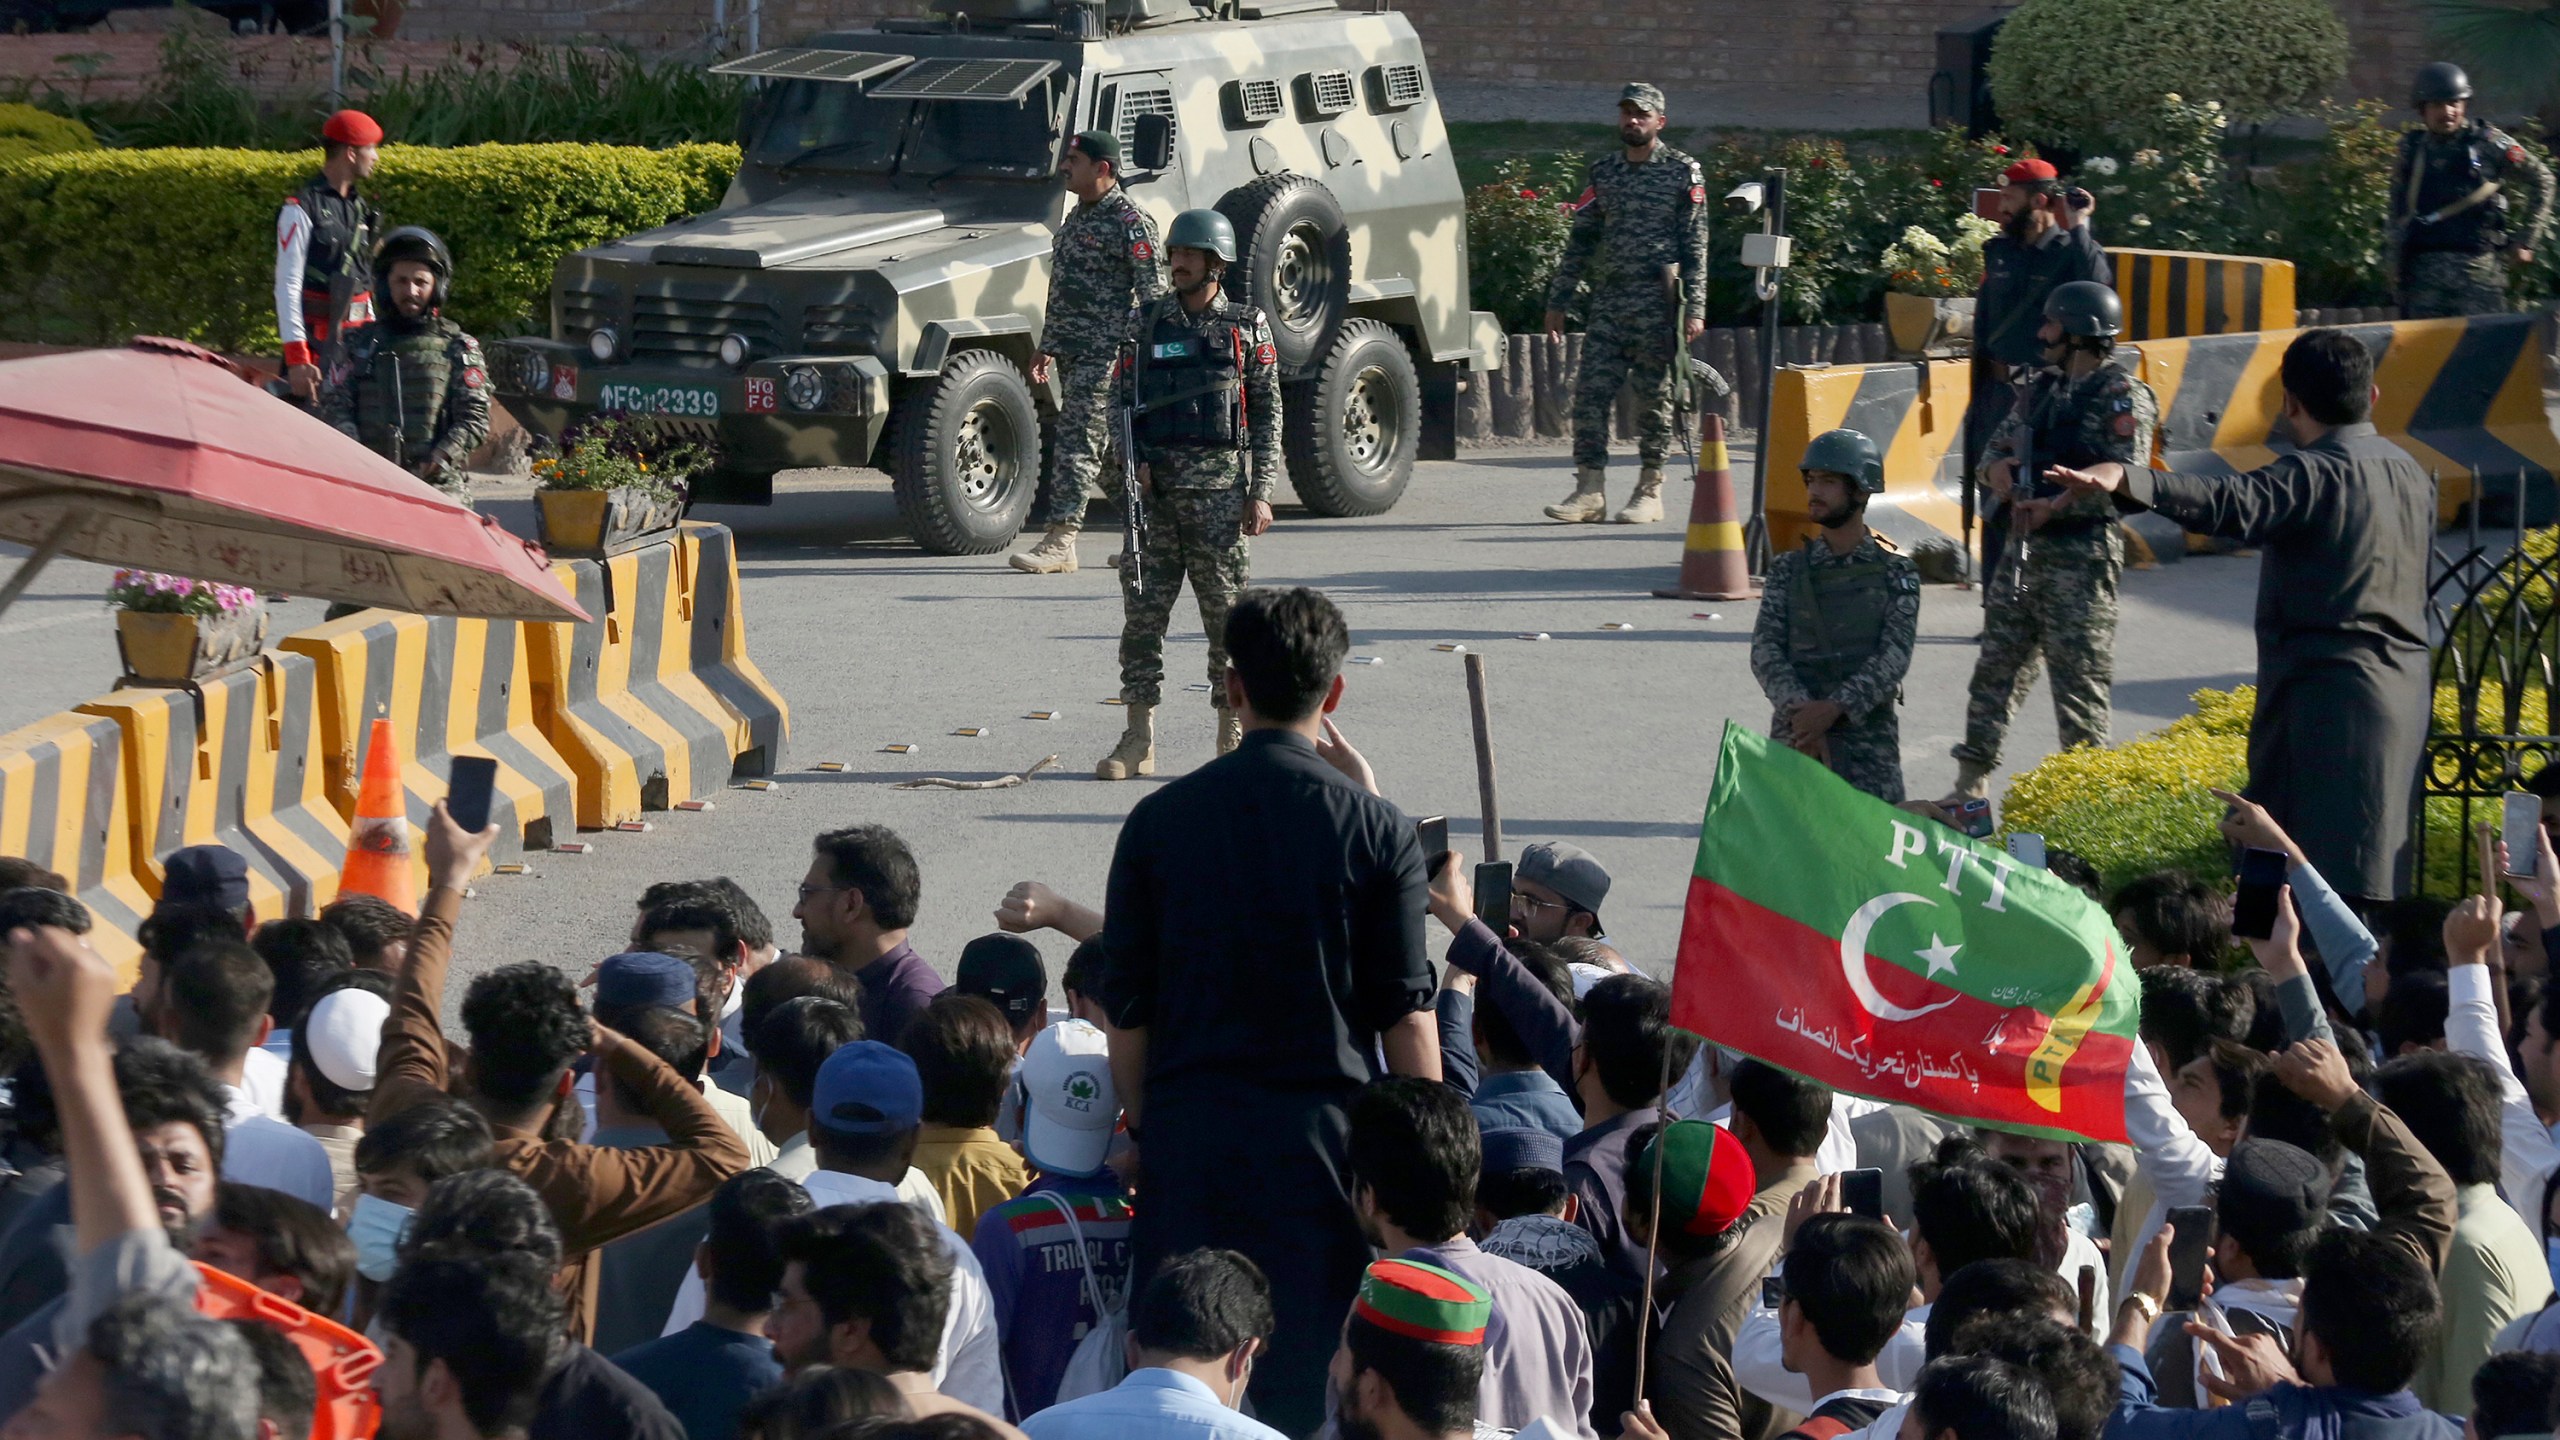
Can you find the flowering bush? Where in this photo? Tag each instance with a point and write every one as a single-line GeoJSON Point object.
{"type": "Point", "coordinates": [152, 593]}
{"type": "Point", "coordinates": [2068, 72]}
{"type": "Point", "coordinates": [1922, 264]}
{"type": "Point", "coordinates": [607, 451]}
{"type": "Point", "coordinates": [2141, 806]}
{"type": "Point", "coordinates": [2171, 191]}
{"type": "Point", "coordinates": [1516, 227]}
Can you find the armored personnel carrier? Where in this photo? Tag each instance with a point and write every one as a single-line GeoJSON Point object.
{"type": "Point", "coordinates": [870, 289]}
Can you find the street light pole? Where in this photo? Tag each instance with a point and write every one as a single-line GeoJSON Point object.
{"type": "Point", "coordinates": [1766, 254]}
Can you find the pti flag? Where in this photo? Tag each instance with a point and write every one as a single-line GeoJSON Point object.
{"type": "Point", "coordinates": [1888, 956]}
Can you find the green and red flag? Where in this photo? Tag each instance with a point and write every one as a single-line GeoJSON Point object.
{"type": "Point", "coordinates": [1886, 955]}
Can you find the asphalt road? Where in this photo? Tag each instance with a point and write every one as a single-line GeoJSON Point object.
{"type": "Point", "coordinates": [1604, 737]}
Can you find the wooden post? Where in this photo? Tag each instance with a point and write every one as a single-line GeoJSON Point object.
{"type": "Point", "coordinates": [1484, 756]}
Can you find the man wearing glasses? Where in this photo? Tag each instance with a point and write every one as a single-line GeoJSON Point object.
{"type": "Point", "coordinates": [1556, 892]}
{"type": "Point", "coordinates": [856, 903]}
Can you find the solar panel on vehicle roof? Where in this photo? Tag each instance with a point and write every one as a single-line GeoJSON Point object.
{"type": "Point", "coordinates": [965, 80]}
{"type": "Point", "coordinates": [800, 63]}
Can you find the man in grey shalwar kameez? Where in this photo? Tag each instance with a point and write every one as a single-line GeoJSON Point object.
{"type": "Point", "coordinates": [2346, 522]}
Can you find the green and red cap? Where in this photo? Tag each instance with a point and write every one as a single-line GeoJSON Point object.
{"type": "Point", "coordinates": [1707, 1177]}
{"type": "Point", "coordinates": [1423, 1302]}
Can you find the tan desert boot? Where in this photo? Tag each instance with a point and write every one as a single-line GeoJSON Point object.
{"type": "Point", "coordinates": [1587, 502]}
{"type": "Point", "coordinates": [1136, 752]}
{"type": "Point", "coordinates": [1054, 555]}
{"type": "Point", "coordinates": [1645, 506]}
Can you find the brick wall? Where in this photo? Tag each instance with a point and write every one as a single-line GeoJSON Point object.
{"type": "Point", "coordinates": [1854, 61]}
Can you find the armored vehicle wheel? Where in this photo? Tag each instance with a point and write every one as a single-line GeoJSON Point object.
{"type": "Point", "coordinates": [1293, 258]}
{"type": "Point", "coordinates": [1351, 430]}
{"type": "Point", "coordinates": [968, 456]}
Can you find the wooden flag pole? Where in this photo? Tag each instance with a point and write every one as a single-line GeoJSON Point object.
{"type": "Point", "coordinates": [1653, 1233]}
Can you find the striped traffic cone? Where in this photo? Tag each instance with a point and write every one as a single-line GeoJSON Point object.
{"type": "Point", "coordinates": [1714, 566]}
{"type": "Point", "coordinates": [378, 842]}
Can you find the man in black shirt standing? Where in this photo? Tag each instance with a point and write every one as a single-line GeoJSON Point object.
{"type": "Point", "coordinates": [1263, 950]}
{"type": "Point", "coordinates": [2345, 519]}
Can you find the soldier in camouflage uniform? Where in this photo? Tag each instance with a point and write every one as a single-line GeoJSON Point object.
{"type": "Point", "coordinates": [1204, 380]}
{"type": "Point", "coordinates": [1643, 209]}
{"type": "Point", "coordinates": [1837, 621]}
{"type": "Point", "coordinates": [413, 387]}
{"type": "Point", "coordinates": [2057, 601]}
{"type": "Point", "coordinates": [1105, 261]}
{"type": "Point", "coordinates": [2450, 219]}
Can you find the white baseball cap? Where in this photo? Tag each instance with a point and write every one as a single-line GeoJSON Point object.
{"type": "Point", "coordinates": [344, 1031]}
{"type": "Point", "coordinates": [1070, 1106]}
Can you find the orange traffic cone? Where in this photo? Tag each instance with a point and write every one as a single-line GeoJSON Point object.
{"type": "Point", "coordinates": [1714, 566]}
{"type": "Point", "coordinates": [378, 842]}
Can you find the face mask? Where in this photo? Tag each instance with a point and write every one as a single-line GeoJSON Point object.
{"type": "Point", "coordinates": [376, 1227]}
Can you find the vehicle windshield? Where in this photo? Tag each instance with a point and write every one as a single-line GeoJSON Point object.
{"type": "Point", "coordinates": [828, 125]}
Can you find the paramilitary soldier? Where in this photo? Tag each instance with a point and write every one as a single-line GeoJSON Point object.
{"type": "Point", "coordinates": [1837, 621]}
{"type": "Point", "coordinates": [1205, 383]}
{"type": "Point", "coordinates": [324, 254]}
{"type": "Point", "coordinates": [2450, 218]}
{"type": "Point", "coordinates": [2057, 601]}
{"type": "Point", "coordinates": [1105, 261]}
{"type": "Point", "coordinates": [413, 387]}
{"type": "Point", "coordinates": [1644, 208]}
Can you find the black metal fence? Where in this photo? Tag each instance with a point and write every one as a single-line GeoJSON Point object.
{"type": "Point", "coordinates": [2495, 633]}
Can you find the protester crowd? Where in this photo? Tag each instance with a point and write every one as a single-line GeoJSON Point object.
{"type": "Point", "coordinates": [1264, 1168]}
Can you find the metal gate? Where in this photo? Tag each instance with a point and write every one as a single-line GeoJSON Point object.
{"type": "Point", "coordinates": [2492, 625]}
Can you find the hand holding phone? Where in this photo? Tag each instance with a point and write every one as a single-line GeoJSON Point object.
{"type": "Point", "coordinates": [1493, 896]}
{"type": "Point", "coordinates": [1433, 831]}
{"type": "Point", "coordinates": [2027, 848]}
{"type": "Point", "coordinates": [2188, 1247]}
{"type": "Point", "coordinates": [1863, 1192]}
{"type": "Point", "coordinates": [2262, 879]}
{"type": "Point", "coordinates": [2522, 831]}
{"type": "Point", "coordinates": [471, 786]}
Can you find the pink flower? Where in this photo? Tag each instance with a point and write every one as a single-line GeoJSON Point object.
{"type": "Point", "coordinates": [1935, 184]}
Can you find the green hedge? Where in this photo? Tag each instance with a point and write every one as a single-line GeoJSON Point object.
{"type": "Point", "coordinates": [26, 132]}
{"type": "Point", "coordinates": [2143, 805]}
{"type": "Point", "coordinates": [2073, 72]}
{"type": "Point", "coordinates": [97, 245]}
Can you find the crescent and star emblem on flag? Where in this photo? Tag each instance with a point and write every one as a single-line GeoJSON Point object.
{"type": "Point", "coordinates": [1939, 956]}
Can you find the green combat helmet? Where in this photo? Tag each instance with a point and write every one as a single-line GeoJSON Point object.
{"type": "Point", "coordinates": [2086, 309]}
{"type": "Point", "coordinates": [1203, 230]}
{"type": "Point", "coordinates": [1850, 453]}
{"type": "Point", "coordinates": [417, 242]}
{"type": "Point", "coordinates": [2440, 83]}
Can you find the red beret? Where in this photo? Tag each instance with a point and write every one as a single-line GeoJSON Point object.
{"type": "Point", "coordinates": [354, 127]}
{"type": "Point", "coordinates": [2027, 172]}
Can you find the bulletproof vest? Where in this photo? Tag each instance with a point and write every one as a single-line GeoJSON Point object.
{"type": "Point", "coordinates": [2446, 173]}
{"type": "Point", "coordinates": [342, 237]}
{"type": "Point", "coordinates": [1188, 381]}
{"type": "Point", "coordinates": [412, 403]}
{"type": "Point", "coordinates": [1838, 616]}
{"type": "Point", "coordinates": [2057, 435]}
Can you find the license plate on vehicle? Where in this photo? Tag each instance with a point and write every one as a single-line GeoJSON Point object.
{"type": "Point", "coordinates": [700, 401]}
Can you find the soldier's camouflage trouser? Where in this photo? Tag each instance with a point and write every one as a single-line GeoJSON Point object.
{"type": "Point", "coordinates": [2449, 282]}
{"type": "Point", "coordinates": [1634, 349]}
{"type": "Point", "coordinates": [1866, 752]}
{"type": "Point", "coordinates": [1198, 533]}
{"type": "Point", "coordinates": [1084, 440]}
{"type": "Point", "coordinates": [2066, 618]}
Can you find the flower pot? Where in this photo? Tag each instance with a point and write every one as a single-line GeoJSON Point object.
{"type": "Point", "coordinates": [175, 649]}
{"type": "Point", "coordinates": [1921, 323]}
{"type": "Point", "coordinates": [591, 524]}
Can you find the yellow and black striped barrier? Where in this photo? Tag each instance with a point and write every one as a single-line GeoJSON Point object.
{"type": "Point", "coordinates": [1914, 411]}
{"type": "Point", "coordinates": [762, 745]}
{"type": "Point", "coordinates": [235, 761]}
{"type": "Point", "coordinates": [2172, 293]}
{"type": "Point", "coordinates": [615, 696]}
{"type": "Point", "coordinates": [2463, 396]}
{"type": "Point", "coordinates": [64, 805]}
{"type": "Point", "coordinates": [450, 687]}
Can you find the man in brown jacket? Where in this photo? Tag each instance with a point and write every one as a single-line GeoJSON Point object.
{"type": "Point", "coordinates": [526, 1031]}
